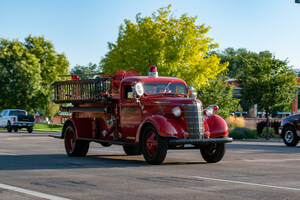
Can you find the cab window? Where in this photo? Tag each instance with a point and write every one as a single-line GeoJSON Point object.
{"type": "Point", "coordinates": [126, 89]}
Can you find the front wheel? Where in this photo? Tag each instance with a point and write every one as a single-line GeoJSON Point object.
{"type": "Point", "coordinates": [154, 147]}
{"type": "Point", "coordinates": [73, 146]}
{"type": "Point", "coordinates": [290, 137]}
{"type": "Point", "coordinates": [9, 128]}
{"type": "Point", "coordinates": [214, 152]}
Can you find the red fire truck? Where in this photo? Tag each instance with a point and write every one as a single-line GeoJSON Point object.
{"type": "Point", "coordinates": [145, 114]}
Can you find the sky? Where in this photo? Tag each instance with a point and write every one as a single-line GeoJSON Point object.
{"type": "Point", "coordinates": [82, 28]}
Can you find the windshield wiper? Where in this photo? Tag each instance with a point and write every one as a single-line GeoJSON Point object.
{"type": "Point", "coordinates": [165, 90]}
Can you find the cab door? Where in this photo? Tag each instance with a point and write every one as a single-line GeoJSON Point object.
{"type": "Point", "coordinates": [130, 115]}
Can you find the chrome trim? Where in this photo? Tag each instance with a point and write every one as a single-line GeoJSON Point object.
{"type": "Point", "coordinates": [200, 141]}
{"type": "Point", "coordinates": [193, 114]}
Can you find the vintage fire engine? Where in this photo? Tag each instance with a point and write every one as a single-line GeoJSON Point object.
{"type": "Point", "coordinates": [145, 114]}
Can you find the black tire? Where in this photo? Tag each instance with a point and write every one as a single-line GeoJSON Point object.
{"type": "Point", "coordinates": [15, 129]}
{"type": "Point", "coordinates": [154, 147]}
{"type": "Point", "coordinates": [73, 146]}
{"type": "Point", "coordinates": [105, 144]}
{"type": "Point", "coordinates": [29, 129]}
{"type": "Point", "coordinates": [9, 128]}
{"type": "Point", "coordinates": [214, 152]}
{"type": "Point", "coordinates": [132, 150]}
{"type": "Point", "coordinates": [290, 137]}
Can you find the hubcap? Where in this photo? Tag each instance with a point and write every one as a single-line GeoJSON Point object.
{"type": "Point", "coordinates": [151, 143]}
{"type": "Point", "coordinates": [289, 136]}
{"type": "Point", "coordinates": [70, 140]}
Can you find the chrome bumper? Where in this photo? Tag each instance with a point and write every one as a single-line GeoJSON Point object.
{"type": "Point", "coordinates": [200, 141]}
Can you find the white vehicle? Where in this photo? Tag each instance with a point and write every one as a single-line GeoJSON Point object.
{"type": "Point", "coordinates": [15, 119]}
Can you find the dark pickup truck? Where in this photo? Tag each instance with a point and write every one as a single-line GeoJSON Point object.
{"type": "Point", "coordinates": [289, 130]}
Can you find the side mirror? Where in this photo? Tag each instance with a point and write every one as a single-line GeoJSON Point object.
{"type": "Point", "coordinates": [138, 90]}
{"type": "Point", "coordinates": [130, 95]}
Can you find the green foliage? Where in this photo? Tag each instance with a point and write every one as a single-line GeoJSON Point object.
{"type": "Point", "coordinates": [89, 69]}
{"type": "Point", "coordinates": [269, 82]}
{"type": "Point", "coordinates": [26, 73]}
{"type": "Point", "coordinates": [252, 134]}
{"type": "Point", "coordinates": [260, 126]}
{"type": "Point", "coordinates": [178, 47]}
{"type": "Point", "coordinates": [243, 133]}
{"type": "Point", "coordinates": [47, 127]}
{"type": "Point", "coordinates": [235, 58]}
{"type": "Point", "coordinates": [219, 92]}
{"type": "Point", "coordinates": [271, 132]}
{"type": "Point", "coordinates": [237, 135]}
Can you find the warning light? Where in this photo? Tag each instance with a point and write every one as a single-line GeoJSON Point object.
{"type": "Point", "coordinates": [153, 71]}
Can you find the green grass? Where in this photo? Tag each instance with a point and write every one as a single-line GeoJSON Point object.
{"type": "Point", "coordinates": [47, 127]}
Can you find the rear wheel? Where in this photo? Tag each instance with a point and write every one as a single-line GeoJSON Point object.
{"type": "Point", "coordinates": [73, 146]}
{"type": "Point", "coordinates": [9, 128]}
{"type": "Point", "coordinates": [214, 152]}
{"type": "Point", "coordinates": [132, 150]}
{"type": "Point", "coordinates": [16, 129]}
{"type": "Point", "coordinates": [29, 129]}
{"type": "Point", "coordinates": [154, 147]}
{"type": "Point", "coordinates": [290, 137]}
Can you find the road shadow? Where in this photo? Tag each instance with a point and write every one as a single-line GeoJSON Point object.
{"type": "Point", "coordinates": [60, 161]}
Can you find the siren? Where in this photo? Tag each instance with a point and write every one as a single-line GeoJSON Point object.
{"type": "Point", "coordinates": [153, 71]}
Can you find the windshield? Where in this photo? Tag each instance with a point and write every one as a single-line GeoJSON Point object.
{"type": "Point", "coordinates": [165, 88]}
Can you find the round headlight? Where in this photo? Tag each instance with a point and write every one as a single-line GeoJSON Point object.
{"type": "Point", "coordinates": [209, 111]}
{"type": "Point", "coordinates": [139, 89]}
{"type": "Point", "coordinates": [176, 111]}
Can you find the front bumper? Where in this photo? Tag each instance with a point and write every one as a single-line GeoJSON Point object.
{"type": "Point", "coordinates": [200, 141]}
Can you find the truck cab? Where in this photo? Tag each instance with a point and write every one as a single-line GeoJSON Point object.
{"type": "Point", "coordinates": [147, 115]}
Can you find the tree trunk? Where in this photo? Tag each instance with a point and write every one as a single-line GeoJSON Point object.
{"type": "Point", "coordinates": [268, 125]}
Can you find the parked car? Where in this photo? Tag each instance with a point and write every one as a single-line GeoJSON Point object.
{"type": "Point", "coordinates": [289, 130]}
{"type": "Point", "coordinates": [15, 119]}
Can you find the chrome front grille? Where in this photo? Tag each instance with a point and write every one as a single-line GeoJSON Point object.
{"type": "Point", "coordinates": [193, 114]}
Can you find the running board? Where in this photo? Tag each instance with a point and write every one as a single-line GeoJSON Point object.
{"type": "Point", "coordinates": [56, 136]}
{"type": "Point", "coordinates": [118, 142]}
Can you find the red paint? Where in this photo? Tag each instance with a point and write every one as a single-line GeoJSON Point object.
{"type": "Point", "coordinates": [217, 126]}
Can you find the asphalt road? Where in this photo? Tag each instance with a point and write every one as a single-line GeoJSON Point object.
{"type": "Point", "coordinates": [35, 166]}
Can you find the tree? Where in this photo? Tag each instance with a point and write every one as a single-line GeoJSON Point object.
{"type": "Point", "coordinates": [89, 69]}
{"type": "Point", "coordinates": [27, 71]}
{"type": "Point", "coordinates": [20, 78]}
{"type": "Point", "coordinates": [235, 58]}
{"type": "Point", "coordinates": [178, 47]}
{"type": "Point", "coordinates": [269, 82]}
{"type": "Point", "coordinates": [219, 92]}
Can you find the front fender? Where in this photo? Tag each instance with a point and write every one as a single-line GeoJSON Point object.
{"type": "Point", "coordinates": [217, 126]}
{"type": "Point", "coordinates": [164, 126]}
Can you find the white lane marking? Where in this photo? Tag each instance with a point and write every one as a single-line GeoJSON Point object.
{"type": "Point", "coordinates": [271, 160]}
{"type": "Point", "coordinates": [247, 183]}
{"type": "Point", "coordinates": [8, 154]}
{"type": "Point", "coordinates": [32, 193]}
